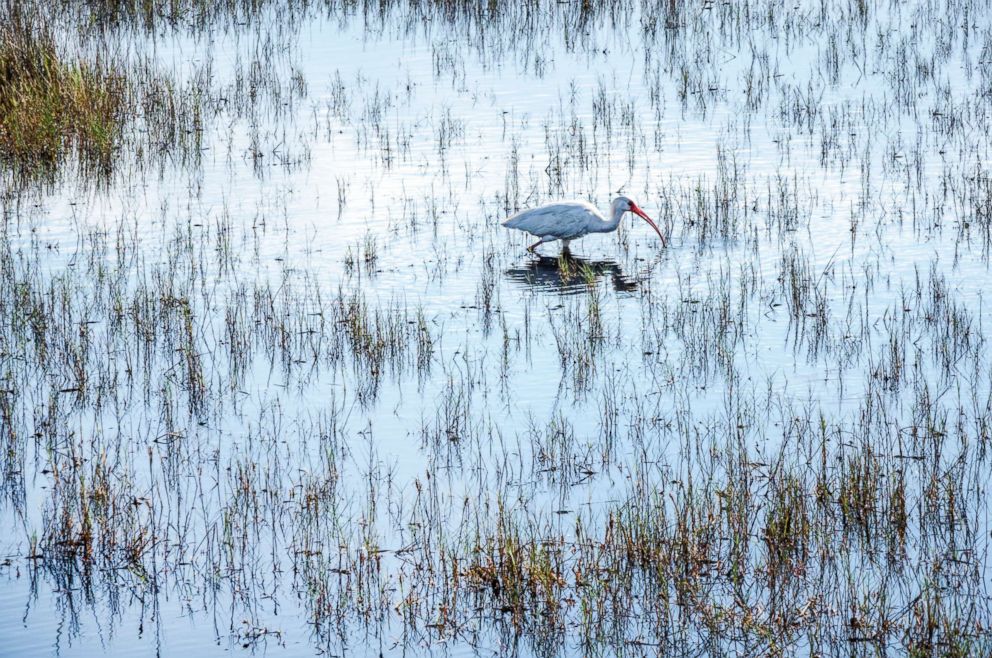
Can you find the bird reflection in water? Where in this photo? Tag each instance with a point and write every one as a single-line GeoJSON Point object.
{"type": "Point", "coordinates": [569, 275]}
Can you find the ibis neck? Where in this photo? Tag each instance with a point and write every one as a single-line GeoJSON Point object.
{"type": "Point", "coordinates": [613, 222]}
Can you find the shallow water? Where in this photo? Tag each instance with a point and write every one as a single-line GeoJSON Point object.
{"type": "Point", "coordinates": [556, 389]}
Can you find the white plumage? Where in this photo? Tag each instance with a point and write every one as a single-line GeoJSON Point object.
{"type": "Point", "coordinates": [570, 220]}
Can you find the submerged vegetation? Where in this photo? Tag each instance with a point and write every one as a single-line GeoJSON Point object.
{"type": "Point", "coordinates": [273, 378]}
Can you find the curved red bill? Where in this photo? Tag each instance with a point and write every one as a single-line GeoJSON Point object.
{"type": "Point", "coordinates": [637, 211]}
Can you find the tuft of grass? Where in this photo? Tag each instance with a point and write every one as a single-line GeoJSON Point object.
{"type": "Point", "coordinates": [50, 107]}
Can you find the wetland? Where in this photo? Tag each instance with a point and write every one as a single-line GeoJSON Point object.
{"type": "Point", "coordinates": [274, 380]}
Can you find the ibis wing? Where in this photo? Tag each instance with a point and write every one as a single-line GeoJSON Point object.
{"type": "Point", "coordinates": [561, 221]}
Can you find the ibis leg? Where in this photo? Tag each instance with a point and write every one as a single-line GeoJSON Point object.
{"type": "Point", "coordinates": [535, 245]}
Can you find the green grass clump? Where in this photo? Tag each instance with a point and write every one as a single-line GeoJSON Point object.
{"type": "Point", "coordinates": [50, 108]}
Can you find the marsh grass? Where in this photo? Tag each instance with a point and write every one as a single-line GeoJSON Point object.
{"type": "Point", "coordinates": [52, 107]}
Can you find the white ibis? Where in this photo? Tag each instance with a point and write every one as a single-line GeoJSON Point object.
{"type": "Point", "coordinates": [570, 220]}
